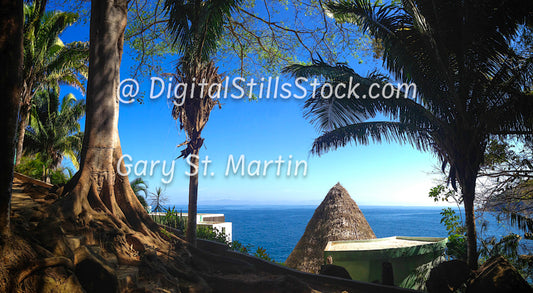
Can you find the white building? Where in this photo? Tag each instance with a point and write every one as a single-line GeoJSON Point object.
{"type": "Point", "coordinates": [217, 221]}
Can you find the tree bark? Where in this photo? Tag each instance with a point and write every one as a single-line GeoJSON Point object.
{"type": "Point", "coordinates": [470, 221]}
{"type": "Point", "coordinates": [11, 54]}
{"type": "Point", "coordinates": [99, 187]}
{"type": "Point", "coordinates": [24, 116]}
{"type": "Point", "coordinates": [193, 199]}
{"type": "Point", "coordinates": [467, 172]}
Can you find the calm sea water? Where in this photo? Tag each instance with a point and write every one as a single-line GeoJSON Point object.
{"type": "Point", "coordinates": [278, 228]}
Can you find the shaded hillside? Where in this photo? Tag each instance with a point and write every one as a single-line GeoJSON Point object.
{"type": "Point", "coordinates": [48, 254]}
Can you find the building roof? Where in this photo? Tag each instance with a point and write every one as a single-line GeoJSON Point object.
{"type": "Point", "coordinates": [337, 218]}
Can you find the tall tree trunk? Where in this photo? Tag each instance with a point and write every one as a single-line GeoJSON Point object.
{"type": "Point", "coordinates": [468, 188]}
{"type": "Point", "coordinates": [193, 199]}
{"type": "Point", "coordinates": [470, 221]}
{"type": "Point", "coordinates": [193, 116]}
{"type": "Point", "coordinates": [24, 116]}
{"type": "Point", "coordinates": [98, 188]}
{"type": "Point", "coordinates": [11, 24]}
{"type": "Point", "coordinates": [471, 235]}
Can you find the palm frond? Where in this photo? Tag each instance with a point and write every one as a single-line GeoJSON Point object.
{"type": "Point", "coordinates": [74, 56]}
{"type": "Point", "coordinates": [377, 18]}
{"type": "Point", "coordinates": [419, 47]}
{"type": "Point", "coordinates": [344, 108]}
{"type": "Point", "coordinates": [367, 132]}
{"type": "Point", "coordinates": [47, 60]}
{"type": "Point", "coordinates": [139, 185]}
{"type": "Point", "coordinates": [197, 25]}
{"type": "Point", "coordinates": [54, 129]}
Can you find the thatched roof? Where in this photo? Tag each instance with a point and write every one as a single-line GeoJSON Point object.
{"type": "Point", "coordinates": [337, 218]}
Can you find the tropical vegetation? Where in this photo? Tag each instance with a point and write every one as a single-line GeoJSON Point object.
{"type": "Point", "coordinates": [158, 199]}
{"type": "Point", "coordinates": [48, 62]}
{"type": "Point", "coordinates": [197, 27]}
{"type": "Point", "coordinates": [140, 188]}
{"type": "Point", "coordinates": [34, 166]}
{"type": "Point", "coordinates": [54, 131]}
{"type": "Point", "coordinates": [470, 62]}
{"type": "Point", "coordinates": [470, 85]}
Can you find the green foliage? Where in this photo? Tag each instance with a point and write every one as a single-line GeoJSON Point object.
{"type": "Point", "coordinates": [443, 116]}
{"type": "Point", "coordinates": [259, 38]}
{"type": "Point", "coordinates": [33, 166]}
{"type": "Point", "coordinates": [61, 175]}
{"type": "Point", "coordinates": [262, 254]}
{"type": "Point", "coordinates": [209, 233]}
{"type": "Point", "coordinates": [47, 61]}
{"type": "Point", "coordinates": [456, 245]}
{"type": "Point", "coordinates": [138, 185]}
{"type": "Point", "coordinates": [442, 193]}
{"type": "Point", "coordinates": [54, 129]}
{"type": "Point", "coordinates": [452, 222]}
{"type": "Point", "coordinates": [506, 246]}
{"type": "Point", "coordinates": [147, 35]}
{"type": "Point", "coordinates": [166, 233]}
{"type": "Point", "coordinates": [197, 26]}
{"type": "Point", "coordinates": [436, 192]}
{"type": "Point", "coordinates": [171, 218]}
{"type": "Point", "coordinates": [239, 247]}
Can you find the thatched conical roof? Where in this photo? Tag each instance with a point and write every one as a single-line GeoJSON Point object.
{"type": "Point", "coordinates": [337, 218]}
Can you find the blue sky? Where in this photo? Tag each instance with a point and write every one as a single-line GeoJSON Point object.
{"type": "Point", "coordinates": [377, 174]}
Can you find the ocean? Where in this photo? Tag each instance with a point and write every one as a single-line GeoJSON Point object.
{"type": "Point", "coordinates": [278, 228]}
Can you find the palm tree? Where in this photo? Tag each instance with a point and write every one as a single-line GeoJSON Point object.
{"type": "Point", "coordinates": [139, 186]}
{"type": "Point", "coordinates": [47, 61]}
{"type": "Point", "coordinates": [54, 130]}
{"type": "Point", "coordinates": [469, 84]}
{"type": "Point", "coordinates": [197, 26]}
{"type": "Point", "coordinates": [157, 200]}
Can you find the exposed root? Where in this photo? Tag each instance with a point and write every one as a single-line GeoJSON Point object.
{"type": "Point", "coordinates": [44, 263]}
